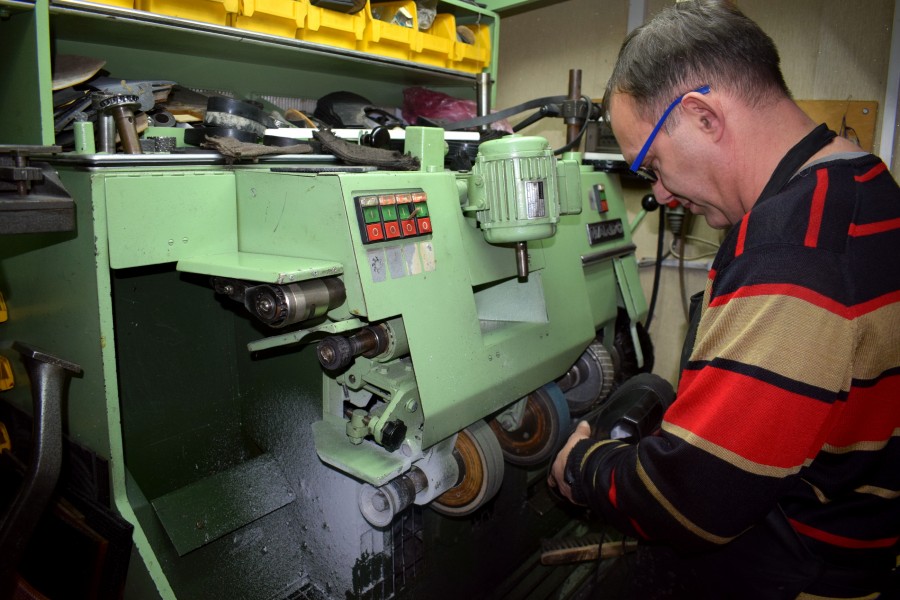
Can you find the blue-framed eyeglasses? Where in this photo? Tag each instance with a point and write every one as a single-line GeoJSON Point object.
{"type": "Point", "coordinates": [636, 167]}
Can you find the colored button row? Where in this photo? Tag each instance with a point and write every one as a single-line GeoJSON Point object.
{"type": "Point", "coordinates": [388, 199]}
{"type": "Point", "coordinates": [393, 212]}
{"type": "Point", "coordinates": [376, 232]}
{"type": "Point", "coordinates": [392, 216]}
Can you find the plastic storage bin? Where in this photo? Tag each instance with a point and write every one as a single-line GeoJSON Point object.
{"type": "Point", "coordinates": [333, 28]}
{"type": "Point", "coordinates": [275, 17]}
{"type": "Point", "coordinates": [473, 58]}
{"type": "Point", "coordinates": [436, 45]}
{"type": "Point", "coordinates": [218, 12]}
{"type": "Point", "coordinates": [384, 35]}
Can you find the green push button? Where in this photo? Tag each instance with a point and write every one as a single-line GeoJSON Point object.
{"type": "Point", "coordinates": [421, 209]}
{"type": "Point", "coordinates": [405, 210]}
{"type": "Point", "coordinates": [389, 212]}
{"type": "Point", "coordinates": [370, 214]}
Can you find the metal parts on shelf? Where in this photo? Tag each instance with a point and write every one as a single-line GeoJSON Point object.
{"type": "Point", "coordinates": [121, 108]}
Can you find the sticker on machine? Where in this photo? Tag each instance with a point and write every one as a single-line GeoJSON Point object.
{"type": "Point", "coordinates": [426, 252]}
{"type": "Point", "coordinates": [412, 259]}
{"type": "Point", "coordinates": [377, 265]}
{"type": "Point", "coordinates": [396, 264]}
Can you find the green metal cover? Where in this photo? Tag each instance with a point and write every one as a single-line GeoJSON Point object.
{"type": "Point", "coordinates": [167, 216]}
{"type": "Point", "coordinates": [268, 268]}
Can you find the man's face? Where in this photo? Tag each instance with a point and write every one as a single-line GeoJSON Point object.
{"type": "Point", "coordinates": [680, 160]}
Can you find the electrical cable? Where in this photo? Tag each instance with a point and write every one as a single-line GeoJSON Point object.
{"type": "Point", "coordinates": [695, 239]}
{"type": "Point", "coordinates": [574, 143]}
{"type": "Point", "coordinates": [599, 571]}
{"type": "Point", "coordinates": [685, 297]}
{"type": "Point", "coordinates": [657, 270]}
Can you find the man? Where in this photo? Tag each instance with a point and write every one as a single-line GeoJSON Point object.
{"type": "Point", "coordinates": [776, 472]}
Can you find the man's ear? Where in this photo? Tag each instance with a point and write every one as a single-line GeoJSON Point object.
{"type": "Point", "coordinates": [706, 113]}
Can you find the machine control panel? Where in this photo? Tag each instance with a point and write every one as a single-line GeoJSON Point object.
{"type": "Point", "coordinates": [394, 215]}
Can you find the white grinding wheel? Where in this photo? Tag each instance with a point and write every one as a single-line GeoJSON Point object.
{"type": "Point", "coordinates": [481, 465]}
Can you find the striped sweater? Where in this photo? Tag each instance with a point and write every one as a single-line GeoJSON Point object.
{"type": "Point", "coordinates": [791, 396]}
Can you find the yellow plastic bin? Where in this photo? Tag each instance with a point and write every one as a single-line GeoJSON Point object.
{"type": "Point", "coordinates": [385, 33]}
{"type": "Point", "coordinates": [333, 28]}
{"type": "Point", "coordinates": [435, 46]}
{"type": "Point", "coordinates": [473, 58]}
{"type": "Point", "coordinates": [275, 17]}
{"type": "Point", "coordinates": [218, 12]}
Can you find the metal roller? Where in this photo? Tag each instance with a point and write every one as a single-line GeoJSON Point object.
{"type": "Point", "coordinates": [588, 383]}
{"type": "Point", "coordinates": [383, 342]}
{"type": "Point", "coordinates": [480, 460]}
{"type": "Point", "coordinates": [534, 434]}
{"type": "Point", "coordinates": [282, 305]}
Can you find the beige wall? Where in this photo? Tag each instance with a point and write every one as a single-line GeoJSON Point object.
{"type": "Point", "coordinates": [830, 50]}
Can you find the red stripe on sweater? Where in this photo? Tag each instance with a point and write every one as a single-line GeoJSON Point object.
{"type": "Point", "coordinates": [816, 209]}
{"type": "Point", "coordinates": [870, 414]}
{"type": "Point", "coordinates": [638, 529]}
{"type": "Point", "coordinates": [871, 173]}
{"type": "Point", "coordinates": [873, 228]}
{"type": "Point", "coordinates": [765, 424]}
{"type": "Point", "coordinates": [810, 296]}
{"type": "Point", "coordinates": [840, 540]}
{"type": "Point", "coordinates": [783, 289]}
{"type": "Point", "coordinates": [612, 488]}
{"type": "Point", "coordinates": [613, 501]}
{"type": "Point", "coordinates": [874, 304]}
{"type": "Point", "coordinates": [742, 236]}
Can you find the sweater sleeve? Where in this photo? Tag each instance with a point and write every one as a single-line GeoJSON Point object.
{"type": "Point", "coordinates": [753, 408]}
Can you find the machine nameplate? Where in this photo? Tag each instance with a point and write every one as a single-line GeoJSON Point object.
{"type": "Point", "coordinates": [605, 231]}
{"type": "Point", "coordinates": [535, 200]}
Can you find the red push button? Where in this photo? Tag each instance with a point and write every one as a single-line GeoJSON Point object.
{"type": "Point", "coordinates": [409, 227]}
{"type": "Point", "coordinates": [392, 230]}
{"type": "Point", "coordinates": [374, 232]}
{"type": "Point", "coordinates": [425, 225]}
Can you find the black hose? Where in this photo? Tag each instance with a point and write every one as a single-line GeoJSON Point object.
{"type": "Point", "coordinates": [657, 270]}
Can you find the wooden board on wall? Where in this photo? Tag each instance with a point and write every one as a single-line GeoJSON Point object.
{"type": "Point", "coordinates": [860, 117]}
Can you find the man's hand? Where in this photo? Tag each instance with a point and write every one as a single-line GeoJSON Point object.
{"type": "Point", "coordinates": [557, 476]}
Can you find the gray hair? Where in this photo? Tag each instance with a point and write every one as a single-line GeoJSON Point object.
{"type": "Point", "coordinates": [695, 43]}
